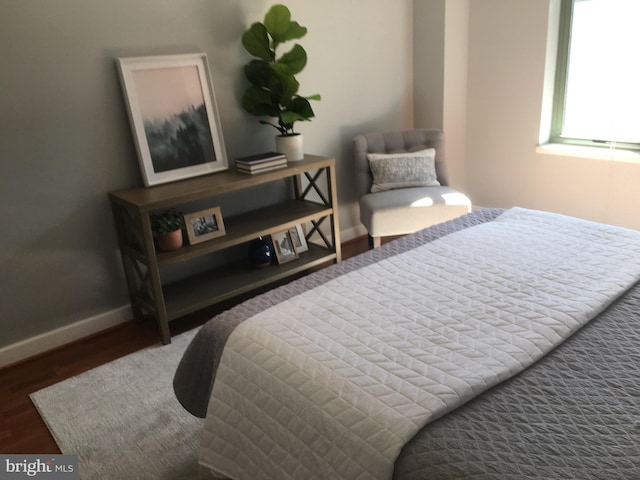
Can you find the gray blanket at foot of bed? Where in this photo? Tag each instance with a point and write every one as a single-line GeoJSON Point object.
{"type": "Point", "coordinates": [573, 415]}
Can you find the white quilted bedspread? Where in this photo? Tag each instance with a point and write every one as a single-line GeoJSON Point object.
{"type": "Point", "coordinates": [332, 383]}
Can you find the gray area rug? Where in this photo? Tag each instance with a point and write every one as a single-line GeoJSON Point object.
{"type": "Point", "coordinates": [123, 419]}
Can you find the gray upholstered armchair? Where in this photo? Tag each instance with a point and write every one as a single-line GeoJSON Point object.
{"type": "Point", "coordinates": [403, 203]}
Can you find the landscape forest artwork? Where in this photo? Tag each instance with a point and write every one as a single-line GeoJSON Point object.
{"type": "Point", "coordinates": [173, 115]}
{"type": "Point", "coordinates": [176, 125]}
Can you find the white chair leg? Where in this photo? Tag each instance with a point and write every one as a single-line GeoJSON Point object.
{"type": "Point", "coordinates": [374, 242]}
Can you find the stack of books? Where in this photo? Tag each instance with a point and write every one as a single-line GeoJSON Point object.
{"type": "Point", "coordinates": [262, 162]}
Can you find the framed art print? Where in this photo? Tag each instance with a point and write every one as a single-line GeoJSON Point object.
{"type": "Point", "coordinates": [284, 247]}
{"type": "Point", "coordinates": [204, 225]}
{"type": "Point", "coordinates": [173, 116]}
{"type": "Point", "coordinates": [299, 240]}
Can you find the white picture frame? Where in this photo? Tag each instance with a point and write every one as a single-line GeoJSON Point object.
{"type": "Point", "coordinates": [299, 239]}
{"type": "Point", "coordinates": [284, 246]}
{"type": "Point", "coordinates": [173, 115]}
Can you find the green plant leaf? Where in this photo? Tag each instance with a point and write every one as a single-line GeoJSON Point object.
{"type": "Point", "coordinates": [283, 84]}
{"type": "Point", "coordinates": [256, 42]}
{"type": "Point", "coordinates": [259, 102]}
{"type": "Point", "coordinates": [290, 87]}
{"type": "Point", "coordinates": [302, 106]}
{"type": "Point", "coordinates": [288, 118]}
{"type": "Point", "coordinates": [258, 72]}
{"type": "Point", "coordinates": [166, 221]}
{"type": "Point", "coordinates": [298, 109]}
{"type": "Point", "coordinates": [277, 22]}
{"type": "Point", "coordinates": [295, 31]}
{"type": "Point", "coordinates": [295, 59]}
{"type": "Point", "coordinates": [280, 27]}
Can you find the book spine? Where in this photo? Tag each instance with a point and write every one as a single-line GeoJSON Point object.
{"type": "Point", "coordinates": [261, 165]}
{"type": "Point", "coordinates": [260, 160]}
{"type": "Point", "coordinates": [259, 170]}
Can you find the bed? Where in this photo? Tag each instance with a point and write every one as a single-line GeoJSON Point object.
{"type": "Point", "coordinates": [503, 344]}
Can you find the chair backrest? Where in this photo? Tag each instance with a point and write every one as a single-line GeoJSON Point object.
{"type": "Point", "coordinates": [394, 142]}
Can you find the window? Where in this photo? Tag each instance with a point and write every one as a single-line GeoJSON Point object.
{"type": "Point", "coordinates": [597, 92]}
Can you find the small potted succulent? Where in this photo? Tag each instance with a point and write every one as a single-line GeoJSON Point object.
{"type": "Point", "coordinates": [167, 225]}
{"type": "Point", "coordinates": [273, 89]}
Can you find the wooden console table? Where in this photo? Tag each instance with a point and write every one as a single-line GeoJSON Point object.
{"type": "Point", "coordinates": [143, 264]}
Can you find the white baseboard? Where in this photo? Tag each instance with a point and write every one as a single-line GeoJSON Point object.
{"type": "Point", "coordinates": [48, 341]}
{"type": "Point", "coordinates": [351, 233]}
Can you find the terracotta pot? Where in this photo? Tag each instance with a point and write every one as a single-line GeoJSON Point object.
{"type": "Point", "coordinates": [291, 146]}
{"type": "Point", "coordinates": [169, 241]}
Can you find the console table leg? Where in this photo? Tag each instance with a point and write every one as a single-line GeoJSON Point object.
{"type": "Point", "coordinates": [163, 325]}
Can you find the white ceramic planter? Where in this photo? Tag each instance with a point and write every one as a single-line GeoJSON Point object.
{"type": "Point", "coordinates": [291, 146]}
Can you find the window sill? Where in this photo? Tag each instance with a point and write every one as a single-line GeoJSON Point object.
{"type": "Point", "coordinates": [589, 152]}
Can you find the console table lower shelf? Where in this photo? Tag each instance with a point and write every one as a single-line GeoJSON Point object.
{"type": "Point", "coordinates": [211, 287]}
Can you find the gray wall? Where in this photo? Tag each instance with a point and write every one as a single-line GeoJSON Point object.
{"type": "Point", "coordinates": [429, 63]}
{"type": "Point", "coordinates": [65, 138]}
{"type": "Point", "coordinates": [440, 39]}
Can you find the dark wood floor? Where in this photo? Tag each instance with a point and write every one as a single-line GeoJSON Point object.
{"type": "Point", "coordinates": [22, 430]}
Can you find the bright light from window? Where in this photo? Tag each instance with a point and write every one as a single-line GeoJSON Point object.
{"type": "Point", "coordinates": [455, 198]}
{"type": "Point", "coordinates": [603, 82]}
{"type": "Point", "coordinates": [423, 202]}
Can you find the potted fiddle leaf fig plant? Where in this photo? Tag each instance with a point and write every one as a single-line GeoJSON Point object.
{"type": "Point", "coordinates": [273, 89]}
{"type": "Point", "coordinates": [167, 225]}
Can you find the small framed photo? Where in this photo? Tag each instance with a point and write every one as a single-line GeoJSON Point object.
{"type": "Point", "coordinates": [173, 116]}
{"type": "Point", "coordinates": [204, 225]}
{"type": "Point", "coordinates": [284, 247]}
{"type": "Point", "coordinates": [299, 240]}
